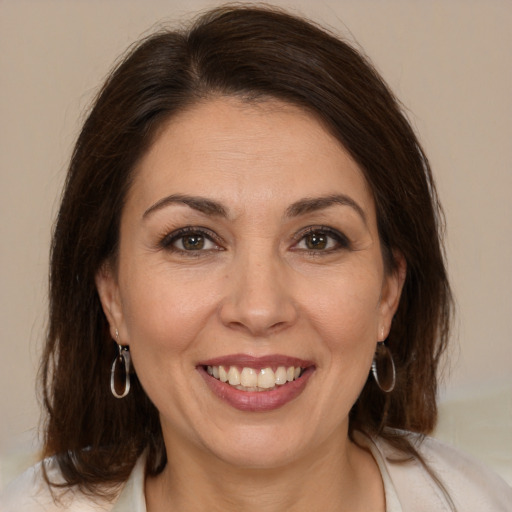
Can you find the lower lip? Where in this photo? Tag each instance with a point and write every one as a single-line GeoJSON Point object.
{"type": "Point", "coordinates": [257, 401]}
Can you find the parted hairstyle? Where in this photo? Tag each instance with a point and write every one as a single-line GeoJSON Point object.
{"type": "Point", "coordinates": [252, 53]}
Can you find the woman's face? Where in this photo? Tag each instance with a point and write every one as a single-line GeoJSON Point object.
{"type": "Point", "coordinates": [249, 250]}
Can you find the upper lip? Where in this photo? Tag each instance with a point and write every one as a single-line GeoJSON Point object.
{"type": "Point", "coordinates": [257, 363]}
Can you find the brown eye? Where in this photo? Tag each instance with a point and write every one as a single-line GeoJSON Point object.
{"type": "Point", "coordinates": [191, 239]}
{"type": "Point", "coordinates": [194, 242]}
{"type": "Point", "coordinates": [322, 240]}
{"type": "Point", "coordinates": [316, 241]}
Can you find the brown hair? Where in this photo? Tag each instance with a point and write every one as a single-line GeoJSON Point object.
{"type": "Point", "coordinates": [253, 53]}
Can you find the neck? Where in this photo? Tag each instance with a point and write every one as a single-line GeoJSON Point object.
{"type": "Point", "coordinates": [338, 476]}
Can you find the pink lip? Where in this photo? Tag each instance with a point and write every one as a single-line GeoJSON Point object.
{"type": "Point", "coordinates": [257, 401]}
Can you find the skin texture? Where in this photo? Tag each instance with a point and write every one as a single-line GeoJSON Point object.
{"type": "Point", "coordinates": [256, 287]}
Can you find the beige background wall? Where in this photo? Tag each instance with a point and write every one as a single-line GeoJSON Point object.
{"type": "Point", "coordinates": [450, 63]}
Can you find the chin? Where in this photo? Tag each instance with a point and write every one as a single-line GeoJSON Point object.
{"type": "Point", "coordinates": [259, 448]}
{"type": "Point", "coordinates": [258, 458]}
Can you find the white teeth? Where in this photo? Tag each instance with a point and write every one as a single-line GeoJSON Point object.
{"type": "Point", "coordinates": [244, 388]}
{"type": "Point", "coordinates": [249, 379]}
{"type": "Point", "coordinates": [234, 376]}
{"type": "Point", "coordinates": [281, 376]}
{"type": "Point", "coordinates": [266, 378]}
{"type": "Point", "coordinates": [223, 374]}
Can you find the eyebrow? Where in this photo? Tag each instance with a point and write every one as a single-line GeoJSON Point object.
{"type": "Point", "coordinates": [214, 208]}
{"type": "Point", "coordinates": [313, 204]}
{"type": "Point", "coordinates": [201, 204]}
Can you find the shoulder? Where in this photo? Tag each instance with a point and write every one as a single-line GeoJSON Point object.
{"type": "Point", "coordinates": [30, 493]}
{"type": "Point", "coordinates": [470, 485]}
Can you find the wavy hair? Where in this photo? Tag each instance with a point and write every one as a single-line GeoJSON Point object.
{"type": "Point", "coordinates": [253, 53]}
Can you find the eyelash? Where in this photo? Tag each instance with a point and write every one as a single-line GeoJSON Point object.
{"type": "Point", "coordinates": [168, 241]}
{"type": "Point", "coordinates": [340, 240]}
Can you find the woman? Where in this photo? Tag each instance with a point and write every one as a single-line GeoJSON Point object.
{"type": "Point", "coordinates": [248, 295]}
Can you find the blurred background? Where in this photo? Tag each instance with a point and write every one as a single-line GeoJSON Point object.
{"type": "Point", "coordinates": [449, 63]}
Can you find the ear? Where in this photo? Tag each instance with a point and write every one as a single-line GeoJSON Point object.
{"type": "Point", "coordinates": [391, 291]}
{"type": "Point", "coordinates": [108, 290]}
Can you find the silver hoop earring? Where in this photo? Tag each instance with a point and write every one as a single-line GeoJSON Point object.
{"type": "Point", "coordinates": [120, 372]}
{"type": "Point", "coordinates": [383, 368]}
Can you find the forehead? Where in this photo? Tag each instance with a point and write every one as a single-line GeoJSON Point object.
{"type": "Point", "coordinates": [242, 152]}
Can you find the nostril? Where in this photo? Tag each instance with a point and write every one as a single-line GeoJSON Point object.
{"type": "Point", "coordinates": [258, 321]}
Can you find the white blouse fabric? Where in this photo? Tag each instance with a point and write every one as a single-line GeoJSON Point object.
{"type": "Point", "coordinates": [408, 486]}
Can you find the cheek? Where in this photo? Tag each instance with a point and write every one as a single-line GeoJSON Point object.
{"type": "Point", "coordinates": [346, 309]}
{"type": "Point", "coordinates": [344, 315]}
{"type": "Point", "coordinates": [164, 311]}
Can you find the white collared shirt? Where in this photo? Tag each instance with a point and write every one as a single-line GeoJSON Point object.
{"type": "Point", "coordinates": [408, 485]}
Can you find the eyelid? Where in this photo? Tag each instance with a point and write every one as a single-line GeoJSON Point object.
{"type": "Point", "coordinates": [340, 238]}
{"type": "Point", "coordinates": [167, 241]}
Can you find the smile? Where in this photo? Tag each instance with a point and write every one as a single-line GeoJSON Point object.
{"type": "Point", "coordinates": [251, 379]}
{"type": "Point", "coordinates": [256, 384]}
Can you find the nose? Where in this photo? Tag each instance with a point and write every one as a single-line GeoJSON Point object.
{"type": "Point", "coordinates": [259, 298]}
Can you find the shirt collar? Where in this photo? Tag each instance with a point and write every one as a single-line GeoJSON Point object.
{"type": "Point", "coordinates": [132, 498]}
